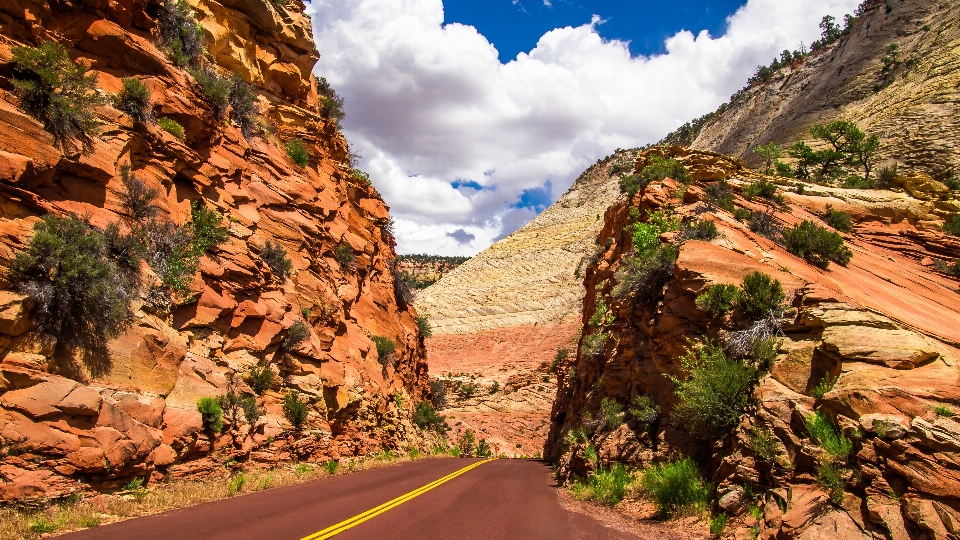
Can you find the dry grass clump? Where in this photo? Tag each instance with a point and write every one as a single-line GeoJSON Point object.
{"type": "Point", "coordinates": [79, 512]}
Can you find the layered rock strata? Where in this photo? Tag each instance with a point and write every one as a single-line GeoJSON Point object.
{"type": "Point", "coordinates": [886, 327]}
{"type": "Point", "coordinates": [907, 96]}
{"type": "Point", "coordinates": [66, 427]}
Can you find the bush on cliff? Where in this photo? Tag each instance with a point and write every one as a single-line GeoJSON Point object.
{"type": "Point", "coordinates": [260, 378]}
{"type": "Point", "coordinates": [838, 220]}
{"type": "Point", "coordinates": [81, 280]}
{"type": "Point", "coordinates": [816, 244]}
{"type": "Point", "coordinates": [211, 413]}
{"type": "Point", "coordinates": [760, 296]}
{"type": "Point", "coordinates": [172, 127]}
{"type": "Point", "coordinates": [423, 325]}
{"type": "Point", "coordinates": [718, 299]}
{"type": "Point", "coordinates": [719, 195]}
{"type": "Point", "coordinates": [134, 99]}
{"type": "Point", "coordinates": [645, 271]}
{"type": "Point", "coordinates": [676, 487]}
{"type": "Point", "coordinates": [295, 410]}
{"type": "Point", "coordinates": [174, 251]}
{"type": "Point", "coordinates": [275, 257]}
{"type": "Point", "coordinates": [714, 393]}
{"type": "Point", "coordinates": [243, 107]}
{"type": "Point", "coordinates": [180, 33]}
{"type": "Point", "coordinates": [952, 225]}
{"type": "Point", "coordinates": [56, 91]}
{"type": "Point", "coordinates": [332, 102]}
{"type": "Point", "coordinates": [137, 200]}
{"type": "Point", "coordinates": [438, 391]}
{"type": "Point", "coordinates": [297, 150]}
{"type": "Point", "coordinates": [297, 332]}
{"type": "Point", "coordinates": [660, 168]}
{"type": "Point", "coordinates": [426, 417]}
{"type": "Point", "coordinates": [215, 88]}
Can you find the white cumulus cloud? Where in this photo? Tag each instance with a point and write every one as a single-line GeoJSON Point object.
{"type": "Point", "coordinates": [465, 149]}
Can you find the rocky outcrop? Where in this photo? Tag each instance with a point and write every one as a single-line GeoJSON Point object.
{"type": "Point", "coordinates": [65, 427]}
{"type": "Point", "coordinates": [533, 275]}
{"type": "Point", "coordinates": [886, 327]}
{"type": "Point", "coordinates": [909, 97]}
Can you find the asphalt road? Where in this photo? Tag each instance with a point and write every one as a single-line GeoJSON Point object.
{"type": "Point", "coordinates": [502, 499]}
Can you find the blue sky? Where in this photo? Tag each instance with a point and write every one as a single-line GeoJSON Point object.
{"type": "Point", "coordinates": [515, 26]}
{"type": "Point", "coordinates": [473, 116]}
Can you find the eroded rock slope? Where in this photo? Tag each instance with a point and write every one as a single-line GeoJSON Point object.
{"type": "Point", "coordinates": [66, 427]}
{"type": "Point", "coordinates": [886, 327]}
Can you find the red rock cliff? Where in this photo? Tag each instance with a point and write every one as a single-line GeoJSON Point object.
{"type": "Point", "coordinates": [887, 326]}
{"type": "Point", "coordinates": [139, 416]}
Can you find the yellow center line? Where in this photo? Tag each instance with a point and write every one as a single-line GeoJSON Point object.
{"type": "Point", "coordinates": [373, 512]}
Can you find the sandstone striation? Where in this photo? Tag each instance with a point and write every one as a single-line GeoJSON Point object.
{"type": "Point", "coordinates": [886, 327]}
{"type": "Point", "coordinates": [533, 275]}
{"type": "Point", "coordinates": [66, 427]}
{"type": "Point", "coordinates": [909, 98]}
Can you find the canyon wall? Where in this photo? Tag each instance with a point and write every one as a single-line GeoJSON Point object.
{"type": "Point", "coordinates": [885, 327]}
{"type": "Point", "coordinates": [909, 98]}
{"type": "Point", "coordinates": [67, 425]}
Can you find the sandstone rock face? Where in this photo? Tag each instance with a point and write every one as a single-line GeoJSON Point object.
{"type": "Point", "coordinates": [913, 107]}
{"type": "Point", "coordinates": [65, 427]}
{"type": "Point", "coordinates": [886, 327]}
{"type": "Point", "coordinates": [510, 368]}
{"type": "Point", "coordinates": [532, 276]}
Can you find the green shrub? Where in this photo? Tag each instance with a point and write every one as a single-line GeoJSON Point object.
{"type": "Point", "coordinates": [829, 476]}
{"type": "Point", "coordinates": [825, 385]}
{"type": "Point", "coordinates": [764, 351]}
{"type": "Point", "coordinates": [423, 325]}
{"type": "Point", "coordinates": [295, 410]}
{"type": "Point", "coordinates": [887, 175]}
{"type": "Point", "coordinates": [56, 91]}
{"type": "Point", "coordinates": [438, 392]}
{"type": "Point", "coordinates": [298, 152]}
{"type": "Point", "coordinates": [676, 487]}
{"type": "Point", "coordinates": [559, 358]}
{"type": "Point", "coordinates": [764, 444]}
{"type": "Point", "coordinates": [715, 392]}
{"type": "Point", "coordinates": [332, 103]}
{"type": "Point", "coordinates": [611, 413]}
{"type": "Point", "coordinates": [206, 228]}
{"type": "Point", "coordinates": [771, 152]}
{"type": "Point", "coordinates": [609, 485]}
{"type": "Point", "coordinates": [251, 411]}
{"type": "Point", "coordinates": [838, 220]}
{"type": "Point", "coordinates": [816, 244]}
{"type": "Point", "coordinates": [172, 127]}
{"type": "Point", "coordinates": [42, 525]}
{"type": "Point", "coordinates": [82, 281]}
{"type": "Point", "coordinates": [632, 184]}
{"type": "Point", "coordinates": [943, 410]}
{"type": "Point", "coordinates": [260, 378]}
{"type": "Point", "coordinates": [344, 255]}
{"type": "Point", "coordinates": [645, 412]}
{"type": "Point", "coordinates": [180, 33]}
{"type": "Point", "coordinates": [215, 88]}
{"type": "Point", "coordinates": [275, 257]}
{"type": "Point", "coordinates": [331, 466]}
{"type": "Point", "coordinates": [718, 524]}
{"type": "Point", "coordinates": [426, 417]}
{"type": "Point", "coordinates": [385, 346]}
{"type": "Point", "coordinates": [483, 449]}
{"type": "Point", "coordinates": [760, 296]}
{"type": "Point", "coordinates": [764, 189]}
{"type": "Point", "coordinates": [495, 387]}
{"type": "Point", "coordinates": [952, 225]}
{"type": "Point", "coordinates": [719, 195]}
{"type": "Point", "coordinates": [136, 200]}
{"type": "Point", "coordinates": [236, 484]}
{"type": "Point", "coordinates": [742, 214]}
{"type": "Point", "coordinates": [211, 413]}
{"type": "Point", "coordinates": [823, 432]}
{"type": "Point", "coordinates": [718, 299]}
{"type": "Point", "coordinates": [361, 177]}
{"type": "Point", "coordinates": [243, 107]}
{"type": "Point", "coordinates": [467, 389]}
{"type": "Point", "coordinates": [134, 99]}
{"type": "Point", "coordinates": [785, 171]}
{"type": "Point", "coordinates": [297, 332]}
{"type": "Point", "coordinates": [701, 229]}
{"type": "Point", "coordinates": [659, 168]}
{"type": "Point", "coordinates": [467, 443]}
{"type": "Point", "coordinates": [593, 345]}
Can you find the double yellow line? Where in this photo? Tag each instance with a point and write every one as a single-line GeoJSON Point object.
{"type": "Point", "coordinates": [334, 530]}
